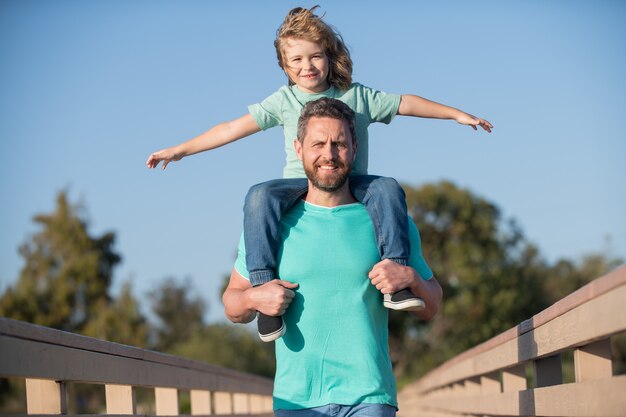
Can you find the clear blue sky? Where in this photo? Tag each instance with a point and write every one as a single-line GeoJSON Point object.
{"type": "Point", "coordinates": [88, 89]}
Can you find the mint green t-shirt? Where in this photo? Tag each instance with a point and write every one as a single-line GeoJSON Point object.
{"type": "Point", "coordinates": [335, 349]}
{"type": "Point", "coordinates": [284, 106]}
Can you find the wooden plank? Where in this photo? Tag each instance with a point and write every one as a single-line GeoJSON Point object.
{"type": "Point", "coordinates": [597, 319]}
{"type": "Point", "coordinates": [120, 399]}
{"type": "Point", "coordinates": [200, 402]}
{"type": "Point", "coordinates": [223, 402]}
{"type": "Point", "coordinates": [514, 379]}
{"type": "Point", "coordinates": [590, 291]}
{"type": "Point", "coordinates": [28, 331]}
{"type": "Point", "coordinates": [490, 383]}
{"type": "Point", "coordinates": [472, 386]}
{"type": "Point", "coordinates": [45, 397]}
{"type": "Point", "coordinates": [593, 361]}
{"type": "Point", "coordinates": [599, 398]}
{"type": "Point", "coordinates": [26, 358]}
{"type": "Point", "coordinates": [260, 404]}
{"type": "Point", "coordinates": [166, 401]}
{"type": "Point", "coordinates": [241, 403]}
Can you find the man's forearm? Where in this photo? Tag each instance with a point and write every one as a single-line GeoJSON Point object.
{"type": "Point", "coordinates": [235, 306]}
{"type": "Point", "coordinates": [430, 291]}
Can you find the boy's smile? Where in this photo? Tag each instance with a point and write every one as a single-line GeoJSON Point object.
{"type": "Point", "coordinates": [306, 65]}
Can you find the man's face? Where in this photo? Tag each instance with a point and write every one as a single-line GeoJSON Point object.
{"type": "Point", "coordinates": [327, 153]}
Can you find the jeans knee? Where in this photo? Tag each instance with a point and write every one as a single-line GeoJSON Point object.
{"type": "Point", "coordinates": [389, 187]}
{"type": "Point", "coordinates": [257, 198]}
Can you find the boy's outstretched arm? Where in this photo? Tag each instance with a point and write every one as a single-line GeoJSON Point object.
{"type": "Point", "coordinates": [219, 135]}
{"type": "Point", "coordinates": [416, 106]}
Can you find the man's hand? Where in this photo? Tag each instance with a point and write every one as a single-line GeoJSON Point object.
{"type": "Point", "coordinates": [242, 301]}
{"type": "Point", "coordinates": [272, 298]}
{"type": "Point", "coordinates": [389, 277]}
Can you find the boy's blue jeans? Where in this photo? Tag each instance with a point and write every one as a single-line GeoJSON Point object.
{"type": "Point", "coordinates": [266, 203]}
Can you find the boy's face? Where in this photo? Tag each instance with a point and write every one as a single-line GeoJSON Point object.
{"type": "Point", "coordinates": [306, 65]}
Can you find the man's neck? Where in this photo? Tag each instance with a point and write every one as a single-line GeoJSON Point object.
{"type": "Point", "coordinates": [323, 198]}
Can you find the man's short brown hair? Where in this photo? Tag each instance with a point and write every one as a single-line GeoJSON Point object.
{"type": "Point", "coordinates": [326, 107]}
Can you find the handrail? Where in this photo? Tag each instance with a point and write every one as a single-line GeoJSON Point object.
{"type": "Point", "coordinates": [48, 359]}
{"type": "Point", "coordinates": [491, 378]}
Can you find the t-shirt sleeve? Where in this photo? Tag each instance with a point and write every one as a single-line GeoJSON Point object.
{"type": "Point", "coordinates": [382, 107]}
{"type": "Point", "coordinates": [416, 259]}
{"type": "Point", "coordinates": [267, 114]}
{"type": "Point", "coordinates": [240, 262]}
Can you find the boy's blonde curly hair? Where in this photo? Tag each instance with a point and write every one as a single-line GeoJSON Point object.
{"type": "Point", "coordinates": [301, 23]}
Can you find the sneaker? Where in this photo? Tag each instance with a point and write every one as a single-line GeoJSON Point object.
{"type": "Point", "coordinates": [403, 300]}
{"type": "Point", "coordinates": [270, 327]}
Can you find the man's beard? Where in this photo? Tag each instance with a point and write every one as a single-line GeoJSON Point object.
{"type": "Point", "coordinates": [328, 183]}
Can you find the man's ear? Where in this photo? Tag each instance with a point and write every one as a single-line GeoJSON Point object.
{"type": "Point", "coordinates": [298, 147]}
{"type": "Point", "coordinates": [355, 148]}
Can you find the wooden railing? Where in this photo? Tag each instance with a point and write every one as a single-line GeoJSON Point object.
{"type": "Point", "coordinates": [48, 359]}
{"type": "Point", "coordinates": [519, 372]}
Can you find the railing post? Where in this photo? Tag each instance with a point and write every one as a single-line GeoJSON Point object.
{"type": "Point", "coordinates": [223, 402]}
{"type": "Point", "coordinates": [490, 383]}
{"type": "Point", "coordinates": [548, 371]}
{"type": "Point", "coordinates": [593, 361]}
{"type": "Point", "coordinates": [120, 399]}
{"type": "Point", "coordinates": [514, 379]}
{"type": "Point", "coordinates": [241, 404]}
{"type": "Point", "coordinates": [200, 402]}
{"type": "Point", "coordinates": [472, 386]}
{"type": "Point", "coordinates": [166, 401]}
{"type": "Point", "coordinates": [44, 396]}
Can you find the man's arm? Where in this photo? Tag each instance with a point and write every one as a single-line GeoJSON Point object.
{"type": "Point", "coordinates": [242, 301]}
{"type": "Point", "coordinates": [389, 277]}
{"type": "Point", "coordinates": [416, 106]}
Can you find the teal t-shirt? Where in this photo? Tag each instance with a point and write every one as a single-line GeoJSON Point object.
{"type": "Point", "coordinates": [284, 106]}
{"type": "Point", "coordinates": [335, 349]}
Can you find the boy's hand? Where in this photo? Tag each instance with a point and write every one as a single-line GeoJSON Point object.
{"type": "Point", "coordinates": [166, 155]}
{"type": "Point", "coordinates": [473, 121]}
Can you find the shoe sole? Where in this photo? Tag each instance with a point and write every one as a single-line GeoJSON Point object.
{"type": "Point", "coordinates": [270, 337]}
{"type": "Point", "coordinates": [414, 304]}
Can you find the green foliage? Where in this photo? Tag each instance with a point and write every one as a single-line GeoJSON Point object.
{"type": "Point", "coordinates": [231, 346]}
{"type": "Point", "coordinates": [492, 277]}
{"type": "Point", "coordinates": [120, 321]}
{"type": "Point", "coordinates": [180, 314]}
{"type": "Point", "coordinates": [182, 332]}
{"type": "Point", "coordinates": [65, 280]}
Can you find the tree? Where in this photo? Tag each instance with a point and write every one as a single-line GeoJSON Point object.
{"type": "Point", "coordinates": [231, 346]}
{"type": "Point", "coordinates": [121, 321]}
{"type": "Point", "coordinates": [182, 331]}
{"type": "Point", "coordinates": [67, 272]}
{"type": "Point", "coordinates": [180, 314]}
{"type": "Point", "coordinates": [491, 276]}
{"type": "Point", "coordinates": [65, 284]}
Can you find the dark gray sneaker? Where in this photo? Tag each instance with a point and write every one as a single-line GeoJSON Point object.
{"type": "Point", "coordinates": [270, 327]}
{"type": "Point", "coordinates": [403, 300]}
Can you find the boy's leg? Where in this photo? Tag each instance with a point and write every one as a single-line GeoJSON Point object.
{"type": "Point", "coordinates": [385, 202]}
{"type": "Point", "coordinates": [264, 206]}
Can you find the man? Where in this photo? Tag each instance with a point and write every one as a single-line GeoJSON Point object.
{"type": "Point", "coordinates": [334, 358]}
